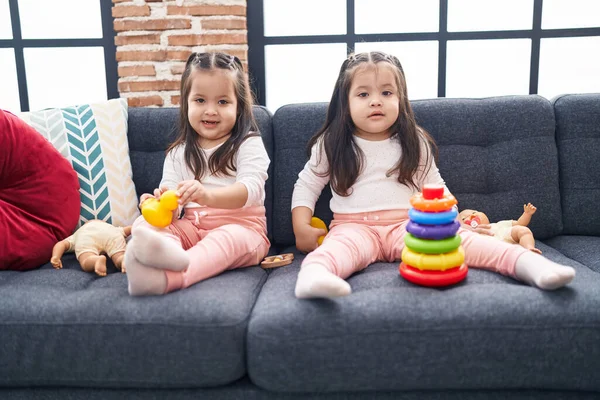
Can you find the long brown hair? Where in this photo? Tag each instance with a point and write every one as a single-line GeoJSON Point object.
{"type": "Point", "coordinates": [344, 157]}
{"type": "Point", "coordinates": [221, 162]}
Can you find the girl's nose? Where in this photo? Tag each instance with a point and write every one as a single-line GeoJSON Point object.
{"type": "Point", "coordinates": [375, 101]}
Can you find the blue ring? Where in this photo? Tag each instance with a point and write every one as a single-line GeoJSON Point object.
{"type": "Point", "coordinates": [430, 218]}
{"type": "Point", "coordinates": [434, 232]}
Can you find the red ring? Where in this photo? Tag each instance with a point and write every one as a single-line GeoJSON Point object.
{"type": "Point", "coordinates": [433, 278]}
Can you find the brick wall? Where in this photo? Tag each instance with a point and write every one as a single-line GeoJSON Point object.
{"type": "Point", "coordinates": [155, 37]}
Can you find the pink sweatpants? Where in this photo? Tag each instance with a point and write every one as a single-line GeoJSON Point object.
{"type": "Point", "coordinates": [216, 240]}
{"type": "Point", "coordinates": [357, 240]}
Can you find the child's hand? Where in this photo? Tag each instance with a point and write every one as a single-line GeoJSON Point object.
{"type": "Point", "coordinates": [192, 191]}
{"type": "Point", "coordinates": [529, 209]}
{"type": "Point", "coordinates": [156, 195]}
{"type": "Point", "coordinates": [307, 236]}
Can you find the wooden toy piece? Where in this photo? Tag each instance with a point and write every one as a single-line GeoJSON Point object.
{"type": "Point", "coordinates": [277, 261]}
{"type": "Point", "coordinates": [159, 213]}
{"type": "Point", "coordinates": [318, 223]}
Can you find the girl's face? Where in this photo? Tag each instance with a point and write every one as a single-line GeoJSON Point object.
{"type": "Point", "coordinates": [374, 101]}
{"type": "Point", "coordinates": [212, 106]}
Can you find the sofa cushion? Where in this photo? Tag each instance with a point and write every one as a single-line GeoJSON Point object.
{"type": "Point", "coordinates": [70, 328]}
{"type": "Point", "coordinates": [151, 130]}
{"type": "Point", "coordinates": [583, 249]}
{"type": "Point", "coordinates": [578, 140]}
{"type": "Point", "coordinates": [495, 155]}
{"type": "Point", "coordinates": [93, 137]}
{"type": "Point", "coordinates": [293, 125]}
{"type": "Point", "coordinates": [487, 332]}
{"type": "Point", "coordinates": [39, 196]}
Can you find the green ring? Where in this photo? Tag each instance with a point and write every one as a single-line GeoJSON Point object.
{"type": "Point", "coordinates": [428, 246]}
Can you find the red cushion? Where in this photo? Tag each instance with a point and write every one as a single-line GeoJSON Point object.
{"type": "Point", "coordinates": [39, 196]}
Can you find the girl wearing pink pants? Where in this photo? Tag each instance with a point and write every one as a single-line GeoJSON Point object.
{"type": "Point", "coordinates": [375, 157]}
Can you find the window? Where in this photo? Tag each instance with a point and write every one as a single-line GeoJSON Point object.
{"type": "Point", "coordinates": [454, 48]}
{"type": "Point", "coordinates": [56, 53]}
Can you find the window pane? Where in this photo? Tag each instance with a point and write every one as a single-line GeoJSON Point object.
{"type": "Point", "coordinates": [419, 61]}
{"type": "Point", "coordinates": [60, 19]}
{"type": "Point", "coordinates": [301, 73]}
{"type": "Point", "coordinates": [9, 95]}
{"type": "Point", "coordinates": [396, 16]}
{"type": "Point", "coordinates": [481, 68]}
{"type": "Point", "coordinates": [5, 25]}
{"type": "Point", "coordinates": [306, 17]}
{"type": "Point", "coordinates": [58, 77]}
{"type": "Point", "coordinates": [569, 65]}
{"type": "Point", "coordinates": [489, 15]}
{"type": "Point", "coordinates": [558, 14]}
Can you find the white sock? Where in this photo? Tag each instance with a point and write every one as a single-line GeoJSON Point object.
{"type": "Point", "coordinates": [537, 270]}
{"type": "Point", "coordinates": [155, 250]}
{"type": "Point", "coordinates": [143, 280]}
{"type": "Point", "coordinates": [316, 281]}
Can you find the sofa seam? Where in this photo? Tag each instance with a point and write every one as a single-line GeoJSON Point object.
{"type": "Point", "coordinates": [437, 330]}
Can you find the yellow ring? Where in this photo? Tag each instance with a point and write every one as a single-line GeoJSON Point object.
{"type": "Point", "coordinates": [433, 262]}
{"type": "Point", "coordinates": [433, 205]}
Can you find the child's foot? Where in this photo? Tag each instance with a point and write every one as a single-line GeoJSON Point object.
{"type": "Point", "coordinates": [157, 251]}
{"type": "Point", "coordinates": [100, 266]}
{"type": "Point", "coordinates": [316, 281]}
{"type": "Point", "coordinates": [143, 280]}
{"type": "Point", "coordinates": [543, 273]}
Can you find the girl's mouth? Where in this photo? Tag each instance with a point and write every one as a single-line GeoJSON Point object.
{"type": "Point", "coordinates": [210, 123]}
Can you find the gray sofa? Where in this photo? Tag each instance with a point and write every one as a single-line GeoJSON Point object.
{"type": "Point", "coordinates": [68, 334]}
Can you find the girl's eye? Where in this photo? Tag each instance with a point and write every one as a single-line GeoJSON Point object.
{"type": "Point", "coordinates": [387, 93]}
{"type": "Point", "coordinates": [363, 94]}
{"type": "Point", "coordinates": [223, 102]}
{"type": "Point", "coordinates": [199, 100]}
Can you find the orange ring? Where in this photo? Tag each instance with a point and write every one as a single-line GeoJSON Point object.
{"type": "Point", "coordinates": [435, 205]}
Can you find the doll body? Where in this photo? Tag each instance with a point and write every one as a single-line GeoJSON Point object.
{"type": "Point", "coordinates": [90, 243]}
{"type": "Point", "coordinates": [511, 231]}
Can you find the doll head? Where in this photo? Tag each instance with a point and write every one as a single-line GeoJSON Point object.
{"type": "Point", "coordinates": [473, 218]}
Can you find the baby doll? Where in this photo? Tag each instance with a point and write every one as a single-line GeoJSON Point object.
{"type": "Point", "coordinates": [510, 231]}
{"type": "Point", "coordinates": [90, 242]}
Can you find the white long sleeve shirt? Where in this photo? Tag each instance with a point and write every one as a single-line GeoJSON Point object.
{"type": "Point", "coordinates": [251, 161]}
{"type": "Point", "coordinates": [373, 190]}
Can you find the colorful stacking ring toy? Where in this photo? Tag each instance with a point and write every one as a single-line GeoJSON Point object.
{"type": "Point", "coordinates": [420, 203]}
{"type": "Point", "coordinates": [434, 262]}
{"type": "Point", "coordinates": [432, 246]}
{"type": "Point", "coordinates": [432, 255]}
{"type": "Point", "coordinates": [431, 218]}
{"type": "Point", "coordinates": [434, 232]}
{"type": "Point", "coordinates": [433, 278]}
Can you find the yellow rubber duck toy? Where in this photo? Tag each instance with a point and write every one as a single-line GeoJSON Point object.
{"type": "Point", "coordinates": [159, 213]}
{"type": "Point", "coordinates": [318, 223]}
